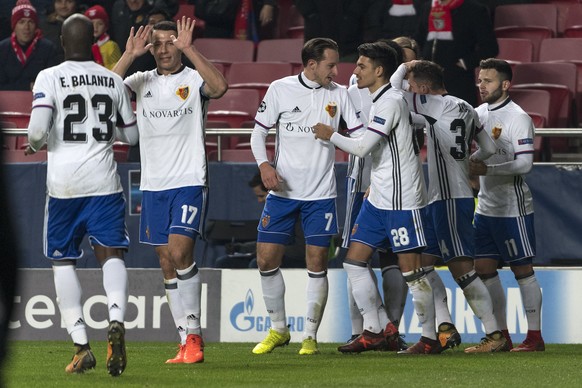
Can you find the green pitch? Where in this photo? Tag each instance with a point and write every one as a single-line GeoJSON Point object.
{"type": "Point", "coordinates": [41, 364]}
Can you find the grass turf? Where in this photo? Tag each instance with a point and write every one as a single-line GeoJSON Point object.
{"type": "Point", "coordinates": [41, 364]}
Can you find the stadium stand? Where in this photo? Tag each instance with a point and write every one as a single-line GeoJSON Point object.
{"type": "Point", "coordinates": [256, 75]}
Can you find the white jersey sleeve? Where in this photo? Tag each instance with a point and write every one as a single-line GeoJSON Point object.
{"type": "Point", "coordinates": [513, 132]}
{"type": "Point", "coordinates": [86, 99]}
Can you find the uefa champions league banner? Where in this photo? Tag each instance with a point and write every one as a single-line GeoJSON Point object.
{"type": "Point", "coordinates": [245, 319]}
{"type": "Point", "coordinates": [233, 309]}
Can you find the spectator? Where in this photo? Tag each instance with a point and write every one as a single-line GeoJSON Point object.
{"type": "Point", "coordinates": [127, 14]}
{"type": "Point", "coordinates": [348, 22]}
{"type": "Point", "coordinates": [25, 53]}
{"type": "Point", "coordinates": [244, 255]}
{"type": "Point", "coordinates": [105, 51]}
{"type": "Point", "coordinates": [457, 34]}
{"type": "Point", "coordinates": [400, 18]}
{"type": "Point", "coordinates": [51, 25]}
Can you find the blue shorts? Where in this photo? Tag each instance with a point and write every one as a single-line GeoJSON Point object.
{"type": "Point", "coordinates": [449, 228]}
{"type": "Point", "coordinates": [508, 238]}
{"type": "Point", "coordinates": [353, 206]}
{"type": "Point", "coordinates": [403, 230]}
{"type": "Point", "coordinates": [318, 218]}
{"type": "Point", "coordinates": [67, 221]}
{"type": "Point", "coordinates": [175, 211]}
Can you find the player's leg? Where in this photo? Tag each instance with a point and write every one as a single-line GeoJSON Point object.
{"type": "Point", "coordinates": [275, 230]}
{"type": "Point", "coordinates": [395, 292]}
{"type": "Point", "coordinates": [531, 294]}
{"type": "Point", "coordinates": [319, 221]}
{"type": "Point", "coordinates": [187, 209]}
{"type": "Point", "coordinates": [63, 231]}
{"type": "Point", "coordinates": [368, 233]}
{"type": "Point", "coordinates": [108, 236]}
{"type": "Point", "coordinates": [154, 222]}
{"type": "Point", "coordinates": [406, 228]}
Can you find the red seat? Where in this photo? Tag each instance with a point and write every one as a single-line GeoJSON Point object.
{"type": "Point", "coordinates": [569, 14]}
{"type": "Point", "coordinates": [226, 51]}
{"type": "Point", "coordinates": [15, 107]}
{"type": "Point", "coordinates": [515, 50]}
{"type": "Point", "coordinates": [120, 152]}
{"type": "Point", "coordinates": [237, 155]}
{"type": "Point", "coordinates": [344, 72]}
{"type": "Point", "coordinates": [534, 34]}
{"type": "Point", "coordinates": [17, 156]}
{"type": "Point", "coordinates": [289, 16]}
{"type": "Point", "coordinates": [188, 11]}
{"type": "Point", "coordinates": [557, 78]}
{"type": "Point", "coordinates": [527, 15]}
{"type": "Point", "coordinates": [566, 50]}
{"type": "Point", "coordinates": [537, 104]}
{"type": "Point", "coordinates": [280, 50]}
{"type": "Point", "coordinates": [256, 75]}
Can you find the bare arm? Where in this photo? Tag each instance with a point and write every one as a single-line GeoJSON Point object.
{"type": "Point", "coordinates": [136, 46]}
{"type": "Point", "coordinates": [215, 84]}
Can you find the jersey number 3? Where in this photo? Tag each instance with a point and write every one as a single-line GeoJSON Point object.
{"type": "Point", "coordinates": [102, 103]}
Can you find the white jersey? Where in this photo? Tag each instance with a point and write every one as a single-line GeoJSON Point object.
{"type": "Point", "coordinates": [170, 117]}
{"type": "Point", "coordinates": [397, 181]}
{"type": "Point", "coordinates": [85, 98]}
{"type": "Point", "coordinates": [451, 125]}
{"type": "Point", "coordinates": [513, 133]}
{"type": "Point", "coordinates": [295, 104]}
{"type": "Point", "coordinates": [359, 169]}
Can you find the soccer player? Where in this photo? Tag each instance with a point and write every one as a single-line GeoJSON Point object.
{"type": "Point", "coordinates": [393, 211]}
{"type": "Point", "coordinates": [172, 101]}
{"type": "Point", "coordinates": [451, 125]}
{"type": "Point", "coordinates": [75, 111]}
{"type": "Point", "coordinates": [504, 220]}
{"type": "Point", "coordinates": [301, 183]}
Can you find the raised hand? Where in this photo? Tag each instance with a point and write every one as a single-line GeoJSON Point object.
{"type": "Point", "coordinates": [138, 42]}
{"type": "Point", "coordinates": [185, 30]}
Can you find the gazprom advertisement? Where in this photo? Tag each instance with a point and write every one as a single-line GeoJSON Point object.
{"type": "Point", "coordinates": [233, 309]}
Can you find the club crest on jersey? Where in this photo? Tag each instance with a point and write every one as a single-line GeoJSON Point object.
{"type": "Point", "coordinates": [265, 221]}
{"type": "Point", "coordinates": [496, 132]}
{"type": "Point", "coordinates": [331, 109]}
{"type": "Point", "coordinates": [183, 92]}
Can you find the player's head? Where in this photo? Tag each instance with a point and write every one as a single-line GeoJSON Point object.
{"type": "Point", "coordinates": [256, 183]}
{"type": "Point", "coordinates": [320, 57]}
{"type": "Point", "coordinates": [168, 57]}
{"type": "Point", "coordinates": [494, 80]}
{"type": "Point", "coordinates": [99, 18]}
{"type": "Point", "coordinates": [410, 49]}
{"type": "Point", "coordinates": [396, 47]}
{"type": "Point", "coordinates": [24, 21]}
{"type": "Point", "coordinates": [426, 77]}
{"type": "Point", "coordinates": [376, 63]}
{"type": "Point", "coordinates": [77, 37]}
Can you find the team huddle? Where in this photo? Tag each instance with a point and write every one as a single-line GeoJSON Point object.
{"type": "Point", "coordinates": [399, 216]}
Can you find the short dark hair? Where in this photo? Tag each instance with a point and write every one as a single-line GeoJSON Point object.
{"type": "Point", "coordinates": [396, 47]}
{"type": "Point", "coordinates": [256, 180]}
{"type": "Point", "coordinates": [315, 49]}
{"type": "Point", "coordinates": [381, 54]}
{"type": "Point", "coordinates": [430, 73]}
{"type": "Point", "coordinates": [166, 25]}
{"type": "Point", "coordinates": [502, 67]}
{"type": "Point", "coordinates": [159, 11]}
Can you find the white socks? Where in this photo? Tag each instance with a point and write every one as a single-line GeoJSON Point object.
{"type": "Point", "coordinates": [365, 294]}
{"type": "Point", "coordinates": [176, 307]}
{"type": "Point", "coordinates": [69, 292]}
{"type": "Point", "coordinates": [531, 295]}
{"type": "Point", "coordinates": [274, 296]}
{"type": "Point", "coordinates": [439, 292]}
{"type": "Point", "coordinates": [115, 285]}
{"type": "Point", "coordinates": [317, 290]}
{"type": "Point", "coordinates": [498, 300]}
{"type": "Point", "coordinates": [479, 299]}
{"type": "Point", "coordinates": [190, 289]}
{"type": "Point", "coordinates": [423, 300]}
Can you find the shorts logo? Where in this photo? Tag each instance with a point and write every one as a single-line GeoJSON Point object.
{"type": "Point", "coordinates": [496, 132]}
{"type": "Point", "coordinates": [265, 221]}
{"type": "Point", "coordinates": [262, 107]}
{"type": "Point", "coordinates": [148, 232]}
{"type": "Point", "coordinates": [527, 140]}
{"type": "Point", "coordinates": [331, 109]}
{"type": "Point", "coordinates": [183, 92]}
{"type": "Point", "coordinates": [379, 120]}
{"type": "Point", "coordinates": [354, 229]}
